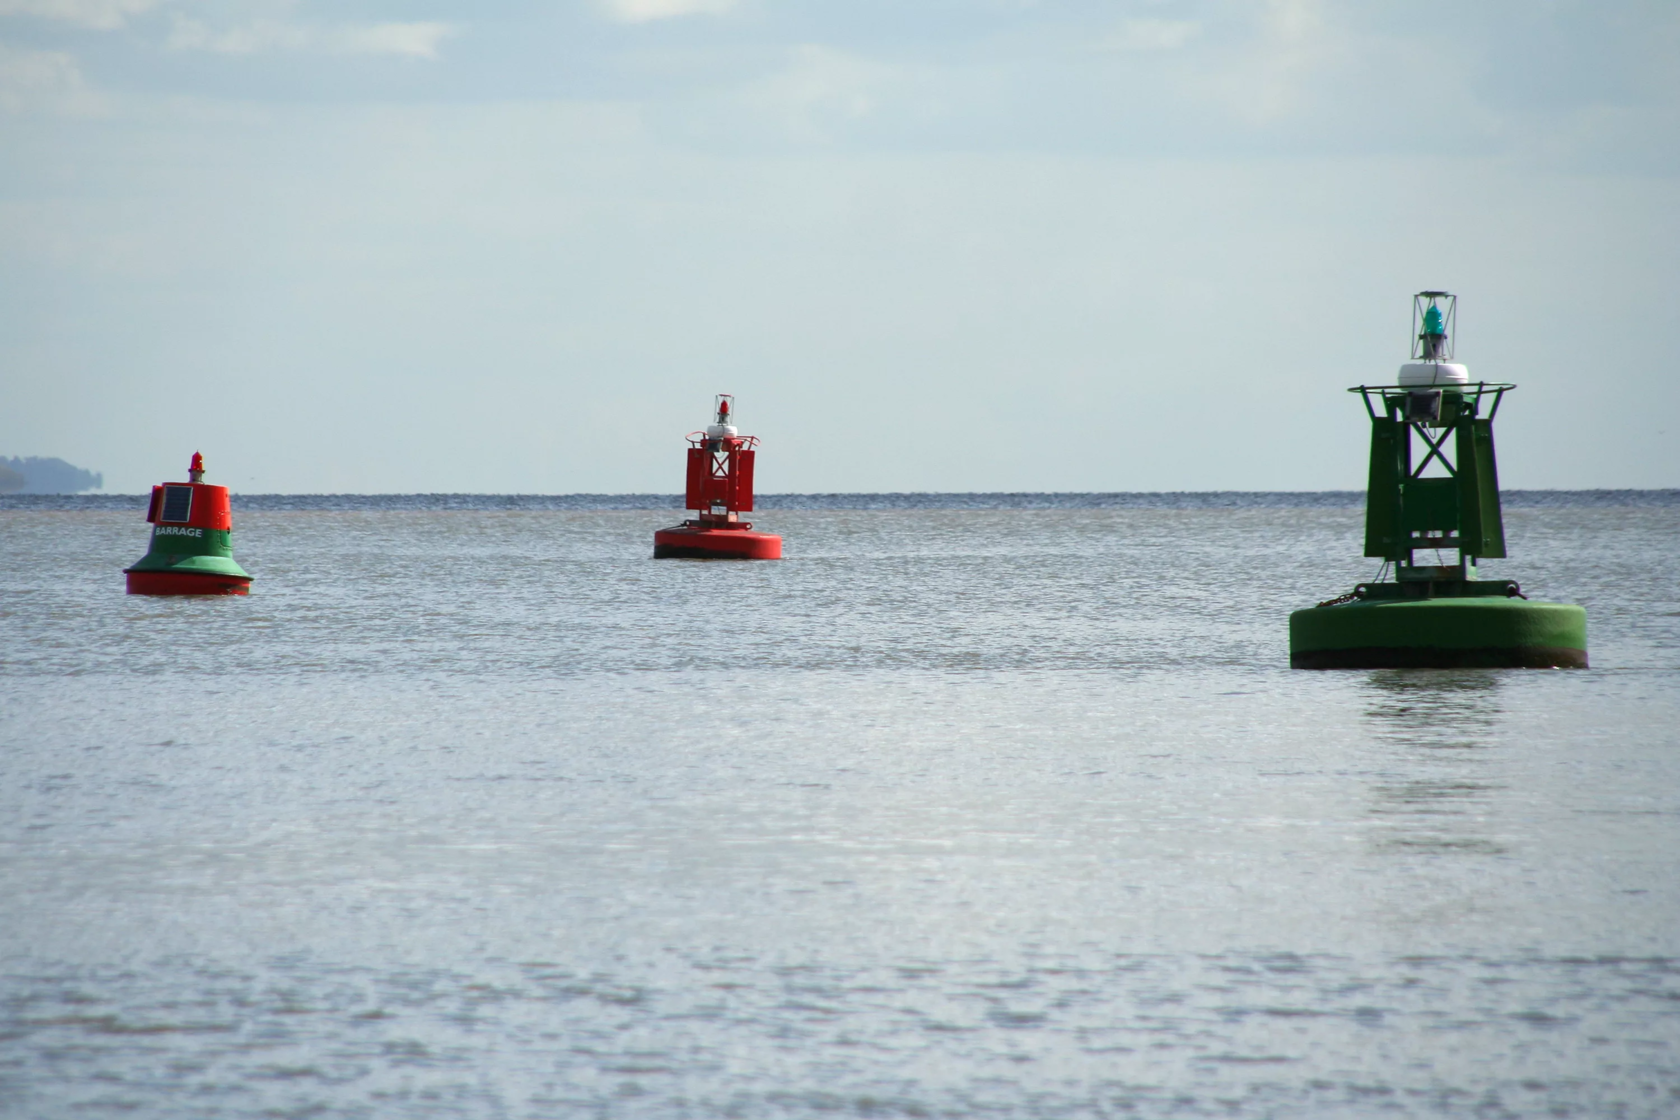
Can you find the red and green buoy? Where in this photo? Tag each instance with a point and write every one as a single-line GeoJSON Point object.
{"type": "Point", "coordinates": [1434, 487]}
{"type": "Point", "coordinates": [192, 541]}
{"type": "Point", "coordinates": [720, 489]}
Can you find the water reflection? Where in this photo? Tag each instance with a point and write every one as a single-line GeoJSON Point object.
{"type": "Point", "coordinates": [1435, 792]}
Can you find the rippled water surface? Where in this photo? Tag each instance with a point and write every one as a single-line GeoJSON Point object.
{"type": "Point", "coordinates": [954, 812]}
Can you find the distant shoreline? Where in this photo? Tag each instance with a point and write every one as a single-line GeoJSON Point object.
{"type": "Point", "coordinates": [1025, 501]}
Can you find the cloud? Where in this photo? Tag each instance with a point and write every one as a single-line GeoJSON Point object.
{"type": "Point", "coordinates": [1292, 52]}
{"type": "Point", "coordinates": [821, 95]}
{"type": "Point", "coordinates": [1150, 35]}
{"type": "Point", "coordinates": [646, 11]}
{"type": "Point", "coordinates": [41, 80]}
{"type": "Point", "coordinates": [100, 15]}
{"type": "Point", "coordinates": [409, 40]}
{"type": "Point", "coordinates": [260, 35]}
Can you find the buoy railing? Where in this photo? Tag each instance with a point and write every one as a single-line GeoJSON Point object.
{"type": "Point", "coordinates": [1395, 398]}
{"type": "Point", "coordinates": [701, 439]}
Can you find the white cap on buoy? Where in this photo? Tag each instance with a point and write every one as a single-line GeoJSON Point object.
{"type": "Point", "coordinates": [1434, 373]}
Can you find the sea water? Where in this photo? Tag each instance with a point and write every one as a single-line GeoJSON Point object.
{"type": "Point", "coordinates": [472, 809]}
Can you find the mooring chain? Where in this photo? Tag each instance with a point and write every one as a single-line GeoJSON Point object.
{"type": "Point", "coordinates": [1513, 590]}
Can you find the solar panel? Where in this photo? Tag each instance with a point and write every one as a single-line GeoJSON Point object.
{"type": "Point", "coordinates": [177, 503]}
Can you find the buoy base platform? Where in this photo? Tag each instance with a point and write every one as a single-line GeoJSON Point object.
{"type": "Point", "coordinates": [693, 540]}
{"type": "Point", "coordinates": [191, 575]}
{"type": "Point", "coordinates": [1460, 632]}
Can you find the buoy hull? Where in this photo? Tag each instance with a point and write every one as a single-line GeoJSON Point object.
{"type": "Point", "coordinates": [688, 542]}
{"type": "Point", "coordinates": [186, 583]}
{"type": "Point", "coordinates": [1448, 633]}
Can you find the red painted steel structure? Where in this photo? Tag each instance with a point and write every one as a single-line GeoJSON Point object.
{"type": "Point", "coordinates": [191, 550]}
{"type": "Point", "coordinates": [720, 489]}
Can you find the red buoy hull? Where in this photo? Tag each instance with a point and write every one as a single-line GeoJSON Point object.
{"type": "Point", "coordinates": [687, 542]}
{"type": "Point", "coordinates": [186, 583]}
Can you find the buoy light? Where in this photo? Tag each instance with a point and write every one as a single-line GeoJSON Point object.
{"type": "Point", "coordinates": [1432, 343]}
{"type": "Point", "coordinates": [723, 425]}
{"type": "Point", "coordinates": [1434, 315]}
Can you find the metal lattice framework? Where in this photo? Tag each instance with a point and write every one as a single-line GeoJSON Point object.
{"type": "Point", "coordinates": [1406, 509]}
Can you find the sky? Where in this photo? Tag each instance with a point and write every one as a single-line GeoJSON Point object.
{"type": "Point", "coordinates": [953, 245]}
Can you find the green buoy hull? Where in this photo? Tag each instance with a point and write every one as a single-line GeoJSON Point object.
{"type": "Point", "coordinates": [1447, 633]}
{"type": "Point", "coordinates": [190, 551]}
{"type": "Point", "coordinates": [197, 565]}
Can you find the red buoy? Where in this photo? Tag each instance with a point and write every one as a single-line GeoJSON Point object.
{"type": "Point", "coordinates": [720, 489]}
{"type": "Point", "coordinates": [192, 541]}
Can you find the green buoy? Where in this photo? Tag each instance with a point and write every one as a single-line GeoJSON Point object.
{"type": "Point", "coordinates": [1434, 486]}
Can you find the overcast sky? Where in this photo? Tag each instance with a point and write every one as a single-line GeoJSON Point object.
{"type": "Point", "coordinates": [930, 244]}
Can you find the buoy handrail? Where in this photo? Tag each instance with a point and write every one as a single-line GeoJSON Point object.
{"type": "Point", "coordinates": [1475, 390]}
{"type": "Point", "coordinates": [700, 439]}
{"type": "Point", "coordinates": [1464, 387]}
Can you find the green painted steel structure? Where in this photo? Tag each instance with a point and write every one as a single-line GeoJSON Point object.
{"type": "Point", "coordinates": [1433, 484]}
{"type": "Point", "coordinates": [1405, 509]}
